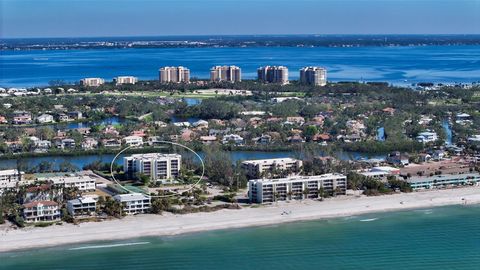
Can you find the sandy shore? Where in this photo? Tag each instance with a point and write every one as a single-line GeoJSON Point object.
{"type": "Point", "coordinates": [168, 224]}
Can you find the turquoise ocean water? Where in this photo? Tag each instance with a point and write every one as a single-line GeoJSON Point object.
{"type": "Point", "coordinates": [437, 238]}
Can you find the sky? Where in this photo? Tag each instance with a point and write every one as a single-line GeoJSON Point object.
{"type": "Point", "coordinates": [101, 18]}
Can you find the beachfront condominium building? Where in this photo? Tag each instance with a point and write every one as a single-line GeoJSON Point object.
{"type": "Point", "coordinates": [273, 74]}
{"type": "Point", "coordinates": [84, 183]}
{"type": "Point", "coordinates": [296, 188]}
{"type": "Point", "coordinates": [261, 167]}
{"type": "Point", "coordinates": [443, 180]}
{"type": "Point", "coordinates": [134, 203]}
{"type": "Point", "coordinates": [125, 80]}
{"type": "Point", "coordinates": [313, 76]}
{"type": "Point", "coordinates": [174, 75]}
{"type": "Point", "coordinates": [158, 167]}
{"type": "Point", "coordinates": [93, 82]}
{"type": "Point", "coordinates": [9, 179]}
{"type": "Point", "coordinates": [82, 206]}
{"type": "Point", "coordinates": [225, 74]}
{"type": "Point", "coordinates": [41, 211]}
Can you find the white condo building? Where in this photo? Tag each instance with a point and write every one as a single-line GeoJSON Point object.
{"type": "Point", "coordinates": [125, 80]}
{"type": "Point", "coordinates": [82, 182]}
{"type": "Point", "coordinates": [134, 203]}
{"type": "Point", "coordinates": [174, 74]}
{"type": "Point", "coordinates": [257, 168]}
{"type": "Point", "coordinates": [93, 82]}
{"type": "Point", "coordinates": [157, 166]}
{"type": "Point", "coordinates": [9, 179]}
{"type": "Point", "coordinates": [313, 76]}
{"type": "Point", "coordinates": [82, 206]}
{"type": "Point", "coordinates": [295, 187]}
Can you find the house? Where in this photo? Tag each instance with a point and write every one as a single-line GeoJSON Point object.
{"type": "Point", "coordinates": [295, 120]}
{"type": "Point", "coordinates": [83, 131]}
{"type": "Point", "coordinates": [218, 132]}
{"type": "Point", "coordinates": [65, 143]}
{"type": "Point", "coordinates": [77, 115]}
{"type": "Point", "coordinates": [133, 141]}
{"type": "Point", "coordinates": [187, 135]}
{"type": "Point", "coordinates": [233, 138]}
{"type": "Point", "coordinates": [42, 145]}
{"type": "Point", "coordinates": [41, 211]}
{"type": "Point", "coordinates": [89, 143]}
{"type": "Point", "coordinates": [200, 124]}
{"type": "Point", "coordinates": [296, 139]}
{"type": "Point", "coordinates": [22, 117]}
{"type": "Point", "coordinates": [427, 136]}
{"type": "Point", "coordinates": [396, 158]}
{"type": "Point", "coordinates": [3, 119]}
{"type": "Point", "coordinates": [208, 139]}
{"type": "Point", "coordinates": [134, 203]}
{"type": "Point", "coordinates": [111, 143]}
{"type": "Point", "coordinates": [264, 139]}
{"type": "Point", "coordinates": [63, 117]}
{"type": "Point", "coordinates": [389, 110]}
{"type": "Point", "coordinates": [45, 118]}
{"type": "Point", "coordinates": [82, 206]}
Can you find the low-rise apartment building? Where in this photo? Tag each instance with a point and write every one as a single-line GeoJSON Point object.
{"type": "Point", "coordinates": [157, 166]}
{"type": "Point", "coordinates": [9, 179]}
{"type": "Point", "coordinates": [296, 187]}
{"type": "Point", "coordinates": [84, 183]}
{"type": "Point", "coordinates": [41, 211]}
{"type": "Point", "coordinates": [443, 180]}
{"type": "Point", "coordinates": [134, 203]}
{"type": "Point", "coordinates": [125, 80]}
{"type": "Point", "coordinates": [258, 168]}
{"type": "Point", "coordinates": [82, 206]}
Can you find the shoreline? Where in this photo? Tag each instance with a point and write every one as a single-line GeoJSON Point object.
{"type": "Point", "coordinates": [168, 224]}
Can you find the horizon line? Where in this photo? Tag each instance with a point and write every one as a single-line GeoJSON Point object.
{"type": "Point", "coordinates": [242, 35]}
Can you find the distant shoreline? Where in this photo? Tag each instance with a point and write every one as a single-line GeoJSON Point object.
{"type": "Point", "coordinates": [169, 224]}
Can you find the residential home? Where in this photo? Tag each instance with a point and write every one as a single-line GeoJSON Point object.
{"type": "Point", "coordinates": [83, 131]}
{"type": "Point", "coordinates": [45, 118]}
{"type": "Point", "coordinates": [264, 139]}
{"type": "Point", "coordinates": [63, 117]}
{"type": "Point", "coordinates": [427, 136]}
{"type": "Point", "coordinates": [200, 124]}
{"type": "Point", "coordinates": [295, 120]}
{"type": "Point", "coordinates": [134, 203]}
{"type": "Point", "coordinates": [187, 135]}
{"type": "Point", "coordinates": [233, 138]}
{"type": "Point", "coordinates": [41, 211]}
{"type": "Point", "coordinates": [82, 206]}
{"type": "Point", "coordinates": [111, 143]}
{"type": "Point", "coordinates": [111, 130]}
{"type": "Point", "coordinates": [133, 141]}
{"type": "Point", "coordinates": [77, 115]}
{"type": "Point", "coordinates": [208, 139]}
{"type": "Point", "coordinates": [3, 119]}
{"type": "Point", "coordinates": [396, 158]}
{"type": "Point", "coordinates": [389, 110]}
{"type": "Point", "coordinates": [296, 139]}
{"type": "Point", "coordinates": [66, 143]}
{"type": "Point", "coordinates": [22, 117]}
{"type": "Point", "coordinates": [89, 144]}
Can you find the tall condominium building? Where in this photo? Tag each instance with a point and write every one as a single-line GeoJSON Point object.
{"type": "Point", "coordinates": [174, 74]}
{"type": "Point", "coordinates": [157, 166]}
{"type": "Point", "coordinates": [296, 187]}
{"type": "Point", "coordinates": [9, 179]}
{"type": "Point", "coordinates": [273, 74]}
{"type": "Point", "coordinates": [94, 82]}
{"type": "Point", "coordinates": [125, 80]}
{"type": "Point", "coordinates": [225, 73]}
{"type": "Point", "coordinates": [258, 168]}
{"type": "Point", "coordinates": [313, 76]}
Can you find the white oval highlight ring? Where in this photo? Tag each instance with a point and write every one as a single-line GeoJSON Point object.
{"type": "Point", "coordinates": [160, 196]}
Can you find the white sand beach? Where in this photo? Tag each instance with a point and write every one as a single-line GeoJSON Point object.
{"type": "Point", "coordinates": [168, 224]}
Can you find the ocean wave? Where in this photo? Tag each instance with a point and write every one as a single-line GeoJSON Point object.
{"type": "Point", "coordinates": [368, 219]}
{"type": "Point", "coordinates": [110, 246]}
